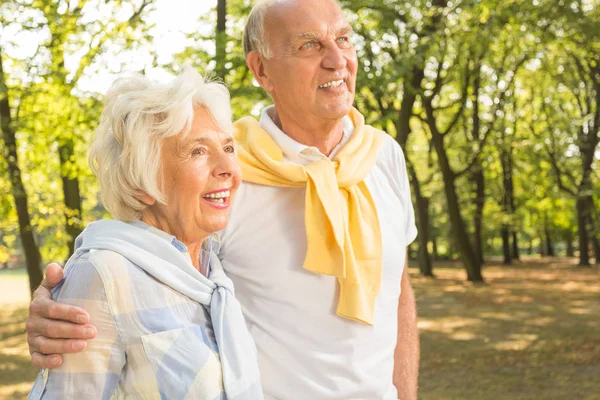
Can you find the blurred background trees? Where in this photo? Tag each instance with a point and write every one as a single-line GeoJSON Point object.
{"type": "Point", "coordinates": [496, 105]}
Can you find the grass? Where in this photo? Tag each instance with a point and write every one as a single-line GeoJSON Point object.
{"type": "Point", "coordinates": [16, 372]}
{"type": "Point", "coordinates": [530, 332]}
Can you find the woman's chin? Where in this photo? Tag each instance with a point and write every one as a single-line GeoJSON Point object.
{"type": "Point", "coordinates": [213, 225]}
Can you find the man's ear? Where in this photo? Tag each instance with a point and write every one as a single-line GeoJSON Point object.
{"type": "Point", "coordinates": [255, 62]}
{"type": "Point", "coordinates": [145, 198]}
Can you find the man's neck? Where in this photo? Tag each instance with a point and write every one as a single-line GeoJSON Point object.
{"type": "Point", "coordinates": [324, 135]}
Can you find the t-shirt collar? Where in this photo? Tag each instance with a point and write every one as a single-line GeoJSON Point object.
{"type": "Point", "coordinates": [290, 148]}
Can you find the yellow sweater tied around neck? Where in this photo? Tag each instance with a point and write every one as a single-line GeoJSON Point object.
{"type": "Point", "coordinates": [342, 227]}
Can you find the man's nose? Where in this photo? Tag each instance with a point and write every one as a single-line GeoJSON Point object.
{"type": "Point", "coordinates": [334, 57]}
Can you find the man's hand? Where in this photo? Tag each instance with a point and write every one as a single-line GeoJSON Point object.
{"type": "Point", "coordinates": [54, 328]}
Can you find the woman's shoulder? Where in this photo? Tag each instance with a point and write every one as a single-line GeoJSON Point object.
{"type": "Point", "coordinates": [111, 268]}
{"type": "Point", "coordinates": [81, 281]}
{"type": "Point", "coordinates": [120, 278]}
{"type": "Point", "coordinates": [109, 263]}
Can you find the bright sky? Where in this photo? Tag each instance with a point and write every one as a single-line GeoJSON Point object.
{"type": "Point", "coordinates": [173, 19]}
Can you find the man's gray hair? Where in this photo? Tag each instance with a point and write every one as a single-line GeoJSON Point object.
{"type": "Point", "coordinates": [138, 115]}
{"type": "Point", "coordinates": [254, 31]}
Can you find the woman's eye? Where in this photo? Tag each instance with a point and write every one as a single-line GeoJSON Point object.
{"type": "Point", "coordinates": [198, 151]}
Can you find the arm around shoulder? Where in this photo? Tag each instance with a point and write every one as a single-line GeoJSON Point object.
{"type": "Point", "coordinates": [93, 373]}
{"type": "Point", "coordinates": [54, 328]}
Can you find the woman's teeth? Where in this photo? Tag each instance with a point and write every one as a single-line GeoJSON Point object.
{"type": "Point", "coordinates": [218, 197]}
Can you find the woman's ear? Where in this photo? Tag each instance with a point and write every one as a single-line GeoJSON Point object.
{"type": "Point", "coordinates": [145, 198]}
{"type": "Point", "coordinates": [256, 64]}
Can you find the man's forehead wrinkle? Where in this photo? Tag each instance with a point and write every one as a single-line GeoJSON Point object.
{"type": "Point", "coordinates": [308, 35]}
{"type": "Point", "coordinates": [332, 31]}
{"type": "Point", "coordinates": [290, 21]}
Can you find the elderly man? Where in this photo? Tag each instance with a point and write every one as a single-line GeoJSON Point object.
{"type": "Point", "coordinates": [316, 243]}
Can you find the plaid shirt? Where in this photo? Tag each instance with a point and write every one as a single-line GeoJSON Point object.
{"type": "Point", "coordinates": [152, 341]}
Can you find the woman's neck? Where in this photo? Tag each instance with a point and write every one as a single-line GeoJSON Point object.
{"type": "Point", "coordinates": [193, 243]}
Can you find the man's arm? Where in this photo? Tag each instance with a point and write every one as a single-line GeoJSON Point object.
{"type": "Point", "coordinates": [93, 373]}
{"type": "Point", "coordinates": [54, 328]}
{"type": "Point", "coordinates": [406, 356]}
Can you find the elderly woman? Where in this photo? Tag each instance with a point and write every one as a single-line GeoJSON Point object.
{"type": "Point", "coordinates": [168, 324]}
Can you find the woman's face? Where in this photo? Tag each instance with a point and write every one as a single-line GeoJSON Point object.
{"type": "Point", "coordinates": [200, 177]}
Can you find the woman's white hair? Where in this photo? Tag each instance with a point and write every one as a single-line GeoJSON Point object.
{"type": "Point", "coordinates": [138, 115]}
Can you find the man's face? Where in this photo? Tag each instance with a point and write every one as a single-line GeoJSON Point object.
{"type": "Point", "coordinates": [312, 69]}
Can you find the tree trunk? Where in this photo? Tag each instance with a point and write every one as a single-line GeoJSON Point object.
{"type": "Point", "coordinates": [506, 245]}
{"type": "Point", "coordinates": [422, 220]}
{"type": "Point", "coordinates": [595, 245]}
{"type": "Point", "coordinates": [508, 203]}
{"type": "Point", "coordinates": [596, 248]}
{"type": "Point", "coordinates": [451, 243]}
{"type": "Point", "coordinates": [436, 254]}
{"type": "Point", "coordinates": [460, 234]}
{"type": "Point", "coordinates": [584, 256]}
{"type": "Point", "coordinates": [570, 249]}
{"type": "Point", "coordinates": [478, 218]}
{"type": "Point", "coordinates": [477, 173]}
{"type": "Point", "coordinates": [411, 87]}
{"type": "Point", "coordinates": [72, 197]}
{"type": "Point", "coordinates": [511, 195]}
{"type": "Point", "coordinates": [221, 40]}
{"type": "Point", "coordinates": [66, 149]}
{"type": "Point", "coordinates": [594, 230]}
{"type": "Point", "coordinates": [549, 245]}
{"type": "Point", "coordinates": [28, 240]}
{"type": "Point", "coordinates": [515, 246]}
{"type": "Point", "coordinates": [422, 205]}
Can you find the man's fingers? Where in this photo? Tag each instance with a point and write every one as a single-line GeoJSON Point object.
{"type": "Point", "coordinates": [53, 329]}
{"type": "Point", "coordinates": [46, 308]}
{"type": "Point", "coordinates": [58, 346]}
{"type": "Point", "coordinates": [42, 361]}
{"type": "Point", "coordinates": [41, 293]}
{"type": "Point", "coordinates": [54, 274]}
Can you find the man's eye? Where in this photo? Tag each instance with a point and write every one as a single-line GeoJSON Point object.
{"type": "Point", "coordinates": [229, 149]}
{"type": "Point", "coordinates": [198, 151]}
{"type": "Point", "coordinates": [343, 40]}
{"type": "Point", "coordinates": [308, 45]}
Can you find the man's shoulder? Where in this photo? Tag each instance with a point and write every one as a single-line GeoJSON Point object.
{"type": "Point", "coordinates": [391, 151]}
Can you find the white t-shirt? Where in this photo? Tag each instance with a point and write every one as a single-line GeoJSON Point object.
{"type": "Point", "coordinates": [305, 350]}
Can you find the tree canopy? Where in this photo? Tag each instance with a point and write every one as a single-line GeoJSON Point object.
{"type": "Point", "coordinates": [496, 105]}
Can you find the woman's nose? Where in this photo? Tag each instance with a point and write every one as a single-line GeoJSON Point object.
{"type": "Point", "coordinates": [225, 165]}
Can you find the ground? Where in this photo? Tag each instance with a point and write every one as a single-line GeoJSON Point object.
{"type": "Point", "coordinates": [532, 331]}
{"type": "Point", "coordinates": [16, 372]}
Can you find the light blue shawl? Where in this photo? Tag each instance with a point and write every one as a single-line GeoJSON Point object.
{"type": "Point", "coordinates": [164, 262]}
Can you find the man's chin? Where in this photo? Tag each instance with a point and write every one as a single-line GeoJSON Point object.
{"type": "Point", "coordinates": [337, 111]}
